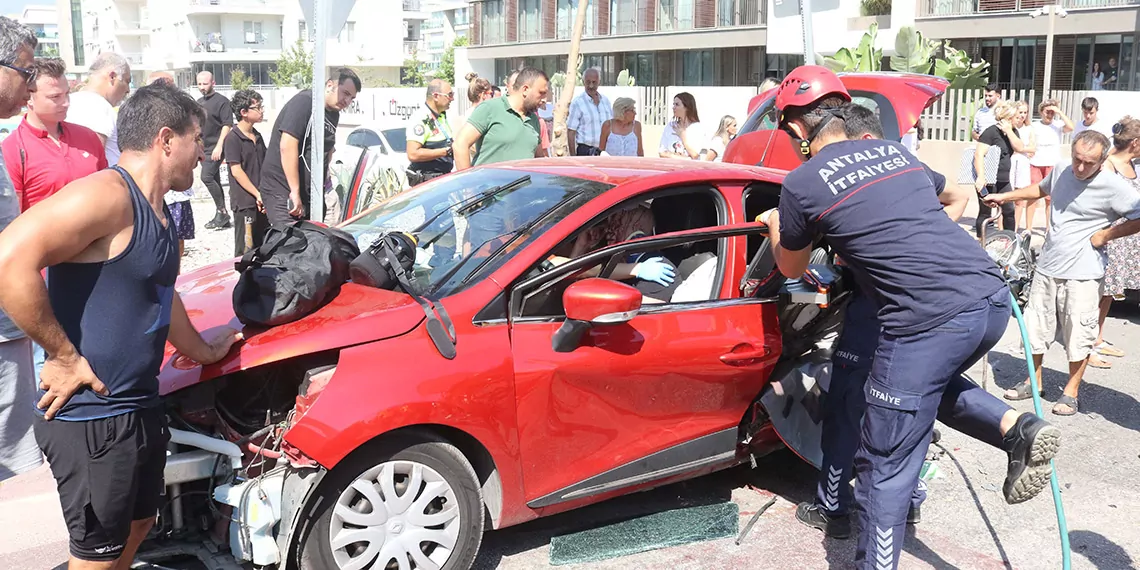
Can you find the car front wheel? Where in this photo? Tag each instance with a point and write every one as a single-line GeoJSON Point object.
{"type": "Point", "coordinates": [408, 504]}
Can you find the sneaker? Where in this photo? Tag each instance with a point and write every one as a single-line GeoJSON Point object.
{"type": "Point", "coordinates": [914, 515]}
{"type": "Point", "coordinates": [812, 515]}
{"type": "Point", "coordinates": [1031, 443]}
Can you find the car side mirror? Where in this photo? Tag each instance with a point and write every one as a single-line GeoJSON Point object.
{"type": "Point", "coordinates": [594, 302]}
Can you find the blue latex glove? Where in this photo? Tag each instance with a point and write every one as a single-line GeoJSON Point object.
{"type": "Point", "coordinates": [656, 270]}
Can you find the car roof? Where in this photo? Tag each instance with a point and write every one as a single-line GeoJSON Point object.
{"type": "Point", "coordinates": [383, 124]}
{"type": "Point", "coordinates": [619, 170]}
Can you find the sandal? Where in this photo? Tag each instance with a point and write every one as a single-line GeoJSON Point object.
{"type": "Point", "coordinates": [1105, 348]}
{"type": "Point", "coordinates": [1070, 404]}
{"type": "Point", "coordinates": [1021, 392]}
{"type": "Point", "coordinates": [1096, 362]}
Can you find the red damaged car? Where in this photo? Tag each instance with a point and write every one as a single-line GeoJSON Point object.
{"type": "Point", "coordinates": [349, 439]}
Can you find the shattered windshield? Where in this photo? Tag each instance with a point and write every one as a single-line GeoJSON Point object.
{"type": "Point", "coordinates": [469, 224]}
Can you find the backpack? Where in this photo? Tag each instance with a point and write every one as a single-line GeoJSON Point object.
{"type": "Point", "coordinates": [297, 270]}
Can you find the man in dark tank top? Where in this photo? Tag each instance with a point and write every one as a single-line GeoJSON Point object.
{"type": "Point", "coordinates": [111, 254]}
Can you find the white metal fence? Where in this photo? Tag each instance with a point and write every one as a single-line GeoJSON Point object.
{"type": "Point", "coordinates": [950, 118]}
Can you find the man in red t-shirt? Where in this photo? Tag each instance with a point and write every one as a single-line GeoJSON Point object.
{"type": "Point", "coordinates": [45, 153]}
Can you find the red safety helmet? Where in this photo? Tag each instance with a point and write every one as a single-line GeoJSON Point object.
{"type": "Point", "coordinates": [807, 84]}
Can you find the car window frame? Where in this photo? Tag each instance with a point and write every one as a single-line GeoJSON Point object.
{"type": "Point", "coordinates": [890, 120]}
{"type": "Point", "coordinates": [529, 287]}
{"type": "Point", "coordinates": [360, 132]}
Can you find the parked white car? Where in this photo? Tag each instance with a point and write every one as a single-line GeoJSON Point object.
{"type": "Point", "coordinates": [373, 158]}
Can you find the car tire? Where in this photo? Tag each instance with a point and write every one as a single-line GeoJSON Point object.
{"type": "Point", "coordinates": [341, 508]}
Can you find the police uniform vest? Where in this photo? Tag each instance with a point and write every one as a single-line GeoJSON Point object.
{"type": "Point", "coordinates": [433, 132]}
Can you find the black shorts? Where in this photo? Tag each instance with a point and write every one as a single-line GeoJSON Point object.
{"type": "Point", "coordinates": [109, 473]}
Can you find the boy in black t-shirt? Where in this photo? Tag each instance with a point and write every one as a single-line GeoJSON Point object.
{"type": "Point", "coordinates": [245, 152]}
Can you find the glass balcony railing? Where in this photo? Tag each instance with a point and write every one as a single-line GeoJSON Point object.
{"type": "Point", "coordinates": [936, 8]}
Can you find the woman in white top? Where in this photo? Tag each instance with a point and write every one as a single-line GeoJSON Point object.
{"type": "Point", "coordinates": [682, 138]}
{"type": "Point", "coordinates": [621, 136]}
{"type": "Point", "coordinates": [1047, 132]}
{"type": "Point", "coordinates": [714, 152]}
{"type": "Point", "coordinates": [1096, 79]}
{"type": "Point", "coordinates": [1019, 172]}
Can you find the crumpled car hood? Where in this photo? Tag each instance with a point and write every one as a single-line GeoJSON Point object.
{"type": "Point", "coordinates": [357, 315]}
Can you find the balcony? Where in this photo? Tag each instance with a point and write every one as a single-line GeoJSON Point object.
{"type": "Point", "coordinates": [131, 28]}
{"type": "Point", "coordinates": [414, 10]}
{"type": "Point", "coordinates": [413, 47]}
{"type": "Point", "coordinates": [252, 7]}
{"type": "Point", "coordinates": [135, 59]}
{"type": "Point", "coordinates": [212, 47]}
{"type": "Point", "coordinates": [943, 8]}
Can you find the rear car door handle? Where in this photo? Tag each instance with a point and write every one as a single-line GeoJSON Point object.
{"type": "Point", "coordinates": [747, 356]}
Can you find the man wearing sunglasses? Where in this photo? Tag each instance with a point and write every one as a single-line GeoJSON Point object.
{"type": "Point", "coordinates": [429, 135]}
{"type": "Point", "coordinates": [18, 450]}
{"type": "Point", "coordinates": [941, 303]}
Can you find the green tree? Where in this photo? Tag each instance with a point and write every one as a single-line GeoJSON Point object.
{"type": "Point", "coordinates": [412, 74]}
{"type": "Point", "coordinates": [239, 80]}
{"type": "Point", "coordinates": [446, 69]}
{"type": "Point", "coordinates": [294, 67]}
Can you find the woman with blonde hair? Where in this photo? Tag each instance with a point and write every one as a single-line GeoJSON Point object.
{"type": "Point", "coordinates": [621, 136]}
{"type": "Point", "coordinates": [1020, 171]}
{"type": "Point", "coordinates": [478, 89]}
{"type": "Point", "coordinates": [1123, 270]}
{"type": "Point", "coordinates": [714, 152]}
{"type": "Point", "coordinates": [1004, 136]}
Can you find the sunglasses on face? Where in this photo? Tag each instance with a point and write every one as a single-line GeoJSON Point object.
{"type": "Point", "coordinates": [29, 75]}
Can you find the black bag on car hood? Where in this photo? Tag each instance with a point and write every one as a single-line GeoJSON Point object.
{"type": "Point", "coordinates": [297, 270]}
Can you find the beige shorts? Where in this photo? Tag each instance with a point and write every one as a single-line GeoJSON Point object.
{"type": "Point", "coordinates": [1068, 304]}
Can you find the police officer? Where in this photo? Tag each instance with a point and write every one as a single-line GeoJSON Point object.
{"type": "Point", "coordinates": [851, 363]}
{"type": "Point", "coordinates": [429, 135]}
{"type": "Point", "coordinates": [942, 305]}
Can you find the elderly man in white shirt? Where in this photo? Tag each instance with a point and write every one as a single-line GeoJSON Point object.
{"type": "Point", "coordinates": [587, 113]}
{"type": "Point", "coordinates": [94, 106]}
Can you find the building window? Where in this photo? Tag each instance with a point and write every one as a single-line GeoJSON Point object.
{"type": "Point", "coordinates": [623, 17]}
{"type": "Point", "coordinates": [302, 31]}
{"type": "Point", "coordinates": [675, 15]}
{"type": "Point", "coordinates": [347, 33]}
{"type": "Point", "coordinates": [564, 20]}
{"type": "Point", "coordinates": [462, 18]}
{"type": "Point", "coordinates": [494, 24]}
{"type": "Point", "coordinates": [739, 12]}
{"type": "Point", "coordinates": [697, 67]}
{"type": "Point", "coordinates": [530, 22]}
{"type": "Point", "coordinates": [253, 32]}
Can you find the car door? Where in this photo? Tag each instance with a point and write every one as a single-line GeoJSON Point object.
{"type": "Point", "coordinates": [658, 396]}
{"type": "Point", "coordinates": [899, 99]}
{"type": "Point", "coordinates": [374, 179]}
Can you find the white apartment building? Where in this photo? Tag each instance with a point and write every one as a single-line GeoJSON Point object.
{"type": "Point", "coordinates": [43, 22]}
{"type": "Point", "coordinates": [447, 21]}
{"type": "Point", "coordinates": [184, 37]}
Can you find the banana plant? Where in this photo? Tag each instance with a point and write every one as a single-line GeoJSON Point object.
{"type": "Point", "coordinates": [863, 58]}
{"type": "Point", "coordinates": [912, 51]}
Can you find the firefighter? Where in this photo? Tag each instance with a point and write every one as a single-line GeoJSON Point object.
{"type": "Point", "coordinates": [942, 304]}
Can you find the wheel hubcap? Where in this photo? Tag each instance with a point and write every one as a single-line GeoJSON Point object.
{"type": "Point", "coordinates": [398, 515]}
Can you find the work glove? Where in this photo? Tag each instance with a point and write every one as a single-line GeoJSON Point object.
{"type": "Point", "coordinates": [656, 270]}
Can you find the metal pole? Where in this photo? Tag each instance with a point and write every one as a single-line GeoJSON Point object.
{"type": "Point", "coordinates": [1052, 15]}
{"type": "Point", "coordinates": [317, 119]}
{"type": "Point", "coordinates": [809, 43]}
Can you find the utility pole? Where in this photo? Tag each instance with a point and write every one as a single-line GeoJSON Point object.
{"type": "Point", "coordinates": [317, 119]}
{"type": "Point", "coordinates": [1051, 11]}
{"type": "Point", "coordinates": [809, 42]}
{"type": "Point", "coordinates": [560, 141]}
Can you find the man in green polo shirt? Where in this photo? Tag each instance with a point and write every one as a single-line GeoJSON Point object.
{"type": "Point", "coordinates": [504, 128]}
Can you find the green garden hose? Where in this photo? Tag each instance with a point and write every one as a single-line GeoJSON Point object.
{"type": "Point", "coordinates": [1062, 525]}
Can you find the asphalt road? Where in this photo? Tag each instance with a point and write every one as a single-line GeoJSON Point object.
{"type": "Point", "coordinates": [966, 522]}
